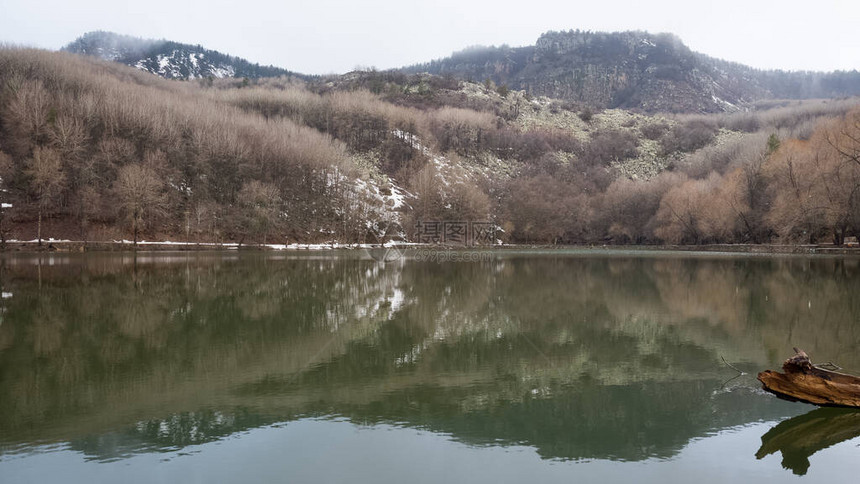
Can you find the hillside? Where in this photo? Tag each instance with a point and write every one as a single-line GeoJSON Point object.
{"type": "Point", "coordinates": [635, 70]}
{"type": "Point", "coordinates": [167, 59]}
{"type": "Point", "coordinates": [95, 150]}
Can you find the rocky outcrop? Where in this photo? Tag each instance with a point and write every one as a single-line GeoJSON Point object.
{"type": "Point", "coordinates": [635, 70]}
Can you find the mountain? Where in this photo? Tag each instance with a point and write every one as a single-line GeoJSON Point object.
{"type": "Point", "coordinates": [628, 70]}
{"type": "Point", "coordinates": [634, 70]}
{"type": "Point", "coordinates": [168, 59]}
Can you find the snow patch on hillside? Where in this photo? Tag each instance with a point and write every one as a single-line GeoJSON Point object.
{"type": "Point", "coordinates": [448, 172]}
{"type": "Point", "coordinates": [181, 64]}
{"type": "Point", "coordinates": [385, 207]}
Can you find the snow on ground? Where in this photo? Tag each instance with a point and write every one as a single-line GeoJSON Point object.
{"type": "Point", "coordinates": [222, 72]}
{"type": "Point", "coordinates": [36, 241]}
{"type": "Point", "coordinates": [170, 65]}
{"type": "Point", "coordinates": [725, 105]}
{"type": "Point", "coordinates": [398, 197]}
{"type": "Point", "coordinates": [391, 202]}
{"type": "Point", "coordinates": [227, 245]}
{"type": "Point", "coordinates": [164, 62]}
{"type": "Point", "coordinates": [447, 171]}
{"type": "Point", "coordinates": [387, 202]}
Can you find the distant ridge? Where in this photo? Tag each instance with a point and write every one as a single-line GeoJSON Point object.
{"type": "Point", "coordinates": [635, 70]}
{"type": "Point", "coordinates": [171, 60]}
{"type": "Point", "coordinates": [632, 70]}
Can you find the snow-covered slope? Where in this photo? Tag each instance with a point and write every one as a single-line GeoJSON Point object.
{"type": "Point", "coordinates": [168, 59]}
{"type": "Point", "coordinates": [182, 64]}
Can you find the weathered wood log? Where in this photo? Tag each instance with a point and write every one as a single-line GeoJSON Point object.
{"type": "Point", "coordinates": [805, 382]}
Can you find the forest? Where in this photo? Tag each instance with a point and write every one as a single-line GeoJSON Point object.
{"type": "Point", "coordinates": [94, 151]}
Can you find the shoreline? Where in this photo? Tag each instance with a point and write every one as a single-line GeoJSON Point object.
{"type": "Point", "coordinates": [69, 246]}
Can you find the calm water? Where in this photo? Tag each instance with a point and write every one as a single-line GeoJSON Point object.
{"type": "Point", "coordinates": [332, 367]}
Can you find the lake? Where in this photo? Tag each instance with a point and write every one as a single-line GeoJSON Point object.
{"type": "Point", "coordinates": [330, 366]}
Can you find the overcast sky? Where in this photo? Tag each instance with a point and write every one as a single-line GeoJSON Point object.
{"type": "Point", "coordinates": [328, 36]}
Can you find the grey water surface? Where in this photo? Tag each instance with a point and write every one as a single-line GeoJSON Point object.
{"type": "Point", "coordinates": [330, 366]}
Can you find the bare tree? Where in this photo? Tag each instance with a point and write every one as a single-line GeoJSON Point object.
{"type": "Point", "coordinates": [545, 209]}
{"type": "Point", "coordinates": [260, 204]}
{"type": "Point", "coordinates": [140, 194]}
{"type": "Point", "coordinates": [68, 135]}
{"type": "Point", "coordinates": [629, 206]}
{"type": "Point", "coordinates": [695, 211]}
{"type": "Point", "coordinates": [816, 184]}
{"type": "Point", "coordinates": [5, 168]}
{"type": "Point", "coordinates": [27, 114]}
{"type": "Point", "coordinates": [47, 179]}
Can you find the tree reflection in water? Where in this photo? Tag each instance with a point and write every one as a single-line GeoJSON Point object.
{"type": "Point", "coordinates": [579, 356]}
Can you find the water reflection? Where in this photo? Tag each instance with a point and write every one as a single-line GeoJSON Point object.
{"type": "Point", "coordinates": [579, 357]}
{"type": "Point", "coordinates": [800, 437]}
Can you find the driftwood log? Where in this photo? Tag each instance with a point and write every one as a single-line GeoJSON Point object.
{"type": "Point", "coordinates": [805, 382]}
